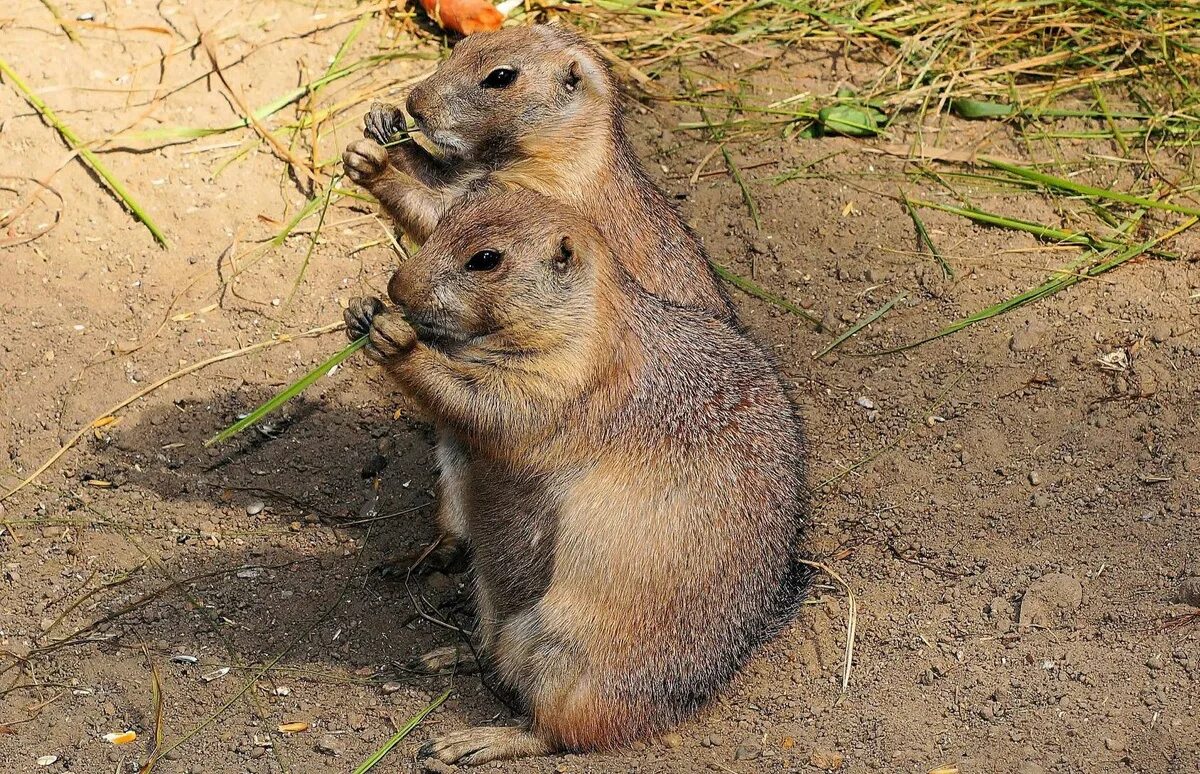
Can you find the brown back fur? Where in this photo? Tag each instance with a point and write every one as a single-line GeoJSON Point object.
{"type": "Point", "coordinates": [635, 475]}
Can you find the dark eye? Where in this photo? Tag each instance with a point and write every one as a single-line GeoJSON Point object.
{"type": "Point", "coordinates": [484, 260]}
{"type": "Point", "coordinates": [499, 78]}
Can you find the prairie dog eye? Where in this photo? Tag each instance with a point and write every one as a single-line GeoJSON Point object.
{"type": "Point", "coordinates": [499, 78]}
{"type": "Point", "coordinates": [484, 260]}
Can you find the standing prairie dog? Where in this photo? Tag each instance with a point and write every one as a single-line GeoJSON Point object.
{"type": "Point", "coordinates": [534, 108]}
{"type": "Point", "coordinates": [634, 477]}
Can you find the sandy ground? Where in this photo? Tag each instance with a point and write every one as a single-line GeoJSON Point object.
{"type": "Point", "coordinates": [1013, 517]}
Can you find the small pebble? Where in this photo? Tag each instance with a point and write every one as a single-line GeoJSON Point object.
{"type": "Point", "coordinates": [255, 508]}
{"type": "Point", "coordinates": [1035, 478]}
{"type": "Point", "coordinates": [374, 466]}
{"type": "Point", "coordinates": [866, 403]}
{"type": "Point", "coordinates": [672, 740]}
{"type": "Point", "coordinates": [1113, 745]}
{"type": "Point", "coordinates": [329, 745]}
{"type": "Point", "coordinates": [434, 766]}
{"type": "Point", "coordinates": [391, 687]}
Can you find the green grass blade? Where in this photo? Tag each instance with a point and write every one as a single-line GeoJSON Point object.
{"type": "Point", "coordinates": [79, 147]}
{"type": "Point", "coordinates": [923, 235]}
{"type": "Point", "coordinates": [266, 111]}
{"type": "Point", "coordinates": [858, 326]}
{"type": "Point", "coordinates": [402, 732]}
{"type": "Point", "coordinates": [746, 286]}
{"type": "Point", "coordinates": [1037, 229]}
{"type": "Point", "coordinates": [312, 244]}
{"type": "Point", "coordinates": [1062, 184]}
{"type": "Point", "coordinates": [1065, 279]}
{"type": "Point", "coordinates": [291, 391]}
{"type": "Point", "coordinates": [737, 178]}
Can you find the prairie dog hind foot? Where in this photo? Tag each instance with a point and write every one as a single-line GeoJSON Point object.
{"type": "Point", "coordinates": [450, 658]}
{"type": "Point", "coordinates": [449, 555]}
{"type": "Point", "coordinates": [483, 744]}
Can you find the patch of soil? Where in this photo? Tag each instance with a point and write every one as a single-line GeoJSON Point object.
{"type": "Point", "coordinates": [1013, 506]}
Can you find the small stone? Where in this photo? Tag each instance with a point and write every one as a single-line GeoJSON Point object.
{"type": "Point", "coordinates": [829, 760]}
{"type": "Point", "coordinates": [715, 740]}
{"type": "Point", "coordinates": [1114, 745]}
{"type": "Point", "coordinates": [1035, 478]}
{"type": "Point", "coordinates": [386, 445]}
{"type": "Point", "coordinates": [434, 766]}
{"type": "Point", "coordinates": [255, 508]}
{"type": "Point", "coordinates": [374, 466]}
{"type": "Point", "coordinates": [1153, 663]}
{"type": "Point", "coordinates": [748, 751]}
{"type": "Point", "coordinates": [258, 752]}
{"type": "Point", "coordinates": [391, 687]}
{"type": "Point", "coordinates": [47, 760]}
{"type": "Point", "coordinates": [1160, 333]}
{"type": "Point", "coordinates": [439, 581]}
{"type": "Point", "coordinates": [1189, 592]}
{"type": "Point", "coordinates": [1050, 601]}
{"type": "Point", "coordinates": [329, 744]}
{"type": "Point", "coordinates": [672, 740]}
{"type": "Point", "coordinates": [866, 403]}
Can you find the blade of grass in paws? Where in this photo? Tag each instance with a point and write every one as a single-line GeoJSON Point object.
{"type": "Point", "coordinates": [746, 286]}
{"type": "Point", "coordinates": [291, 391]}
{"type": "Point", "coordinates": [923, 235]}
{"type": "Point", "coordinates": [402, 732]}
{"type": "Point", "coordinates": [79, 147]}
{"type": "Point", "coordinates": [858, 326]}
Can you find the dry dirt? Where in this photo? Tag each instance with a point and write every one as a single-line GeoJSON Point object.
{"type": "Point", "coordinates": [1014, 523]}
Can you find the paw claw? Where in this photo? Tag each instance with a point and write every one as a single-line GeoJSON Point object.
{"type": "Point", "coordinates": [383, 123]}
{"type": "Point", "coordinates": [358, 316]}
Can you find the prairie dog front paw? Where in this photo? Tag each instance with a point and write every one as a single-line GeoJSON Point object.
{"type": "Point", "coordinates": [365, 161]}
{"type": "Point", "coordinates": [384, 123]}
{"type": "Point", "coordinates": [390, 336]}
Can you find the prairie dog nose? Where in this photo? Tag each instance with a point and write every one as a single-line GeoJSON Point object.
{"type": "Point", "coordinates": [414, 108]}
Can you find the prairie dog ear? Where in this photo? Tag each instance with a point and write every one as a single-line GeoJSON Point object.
{"type": "Point", "coordinates": [565, 255]}
{"type": "Point", "coordinates": [584, 73]}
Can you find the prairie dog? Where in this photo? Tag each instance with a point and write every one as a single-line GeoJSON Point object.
{"type": "Point", "coordinates": [535, 108]}
{"type": "Point", "coordinates": [538, 108]}
{"type": "Point", "coordinates": [634, 478]}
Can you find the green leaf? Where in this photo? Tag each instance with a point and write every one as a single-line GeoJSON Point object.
{"type": "Point", "coordinates": [973, 109]}
{"type": "Point", "coordinates": [850, 120]}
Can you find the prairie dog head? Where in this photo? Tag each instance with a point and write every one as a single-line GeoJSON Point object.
{"type": "Point", "coordinates": [506, 273]}
{"type": "Point", "coordinates": [506, 93]}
